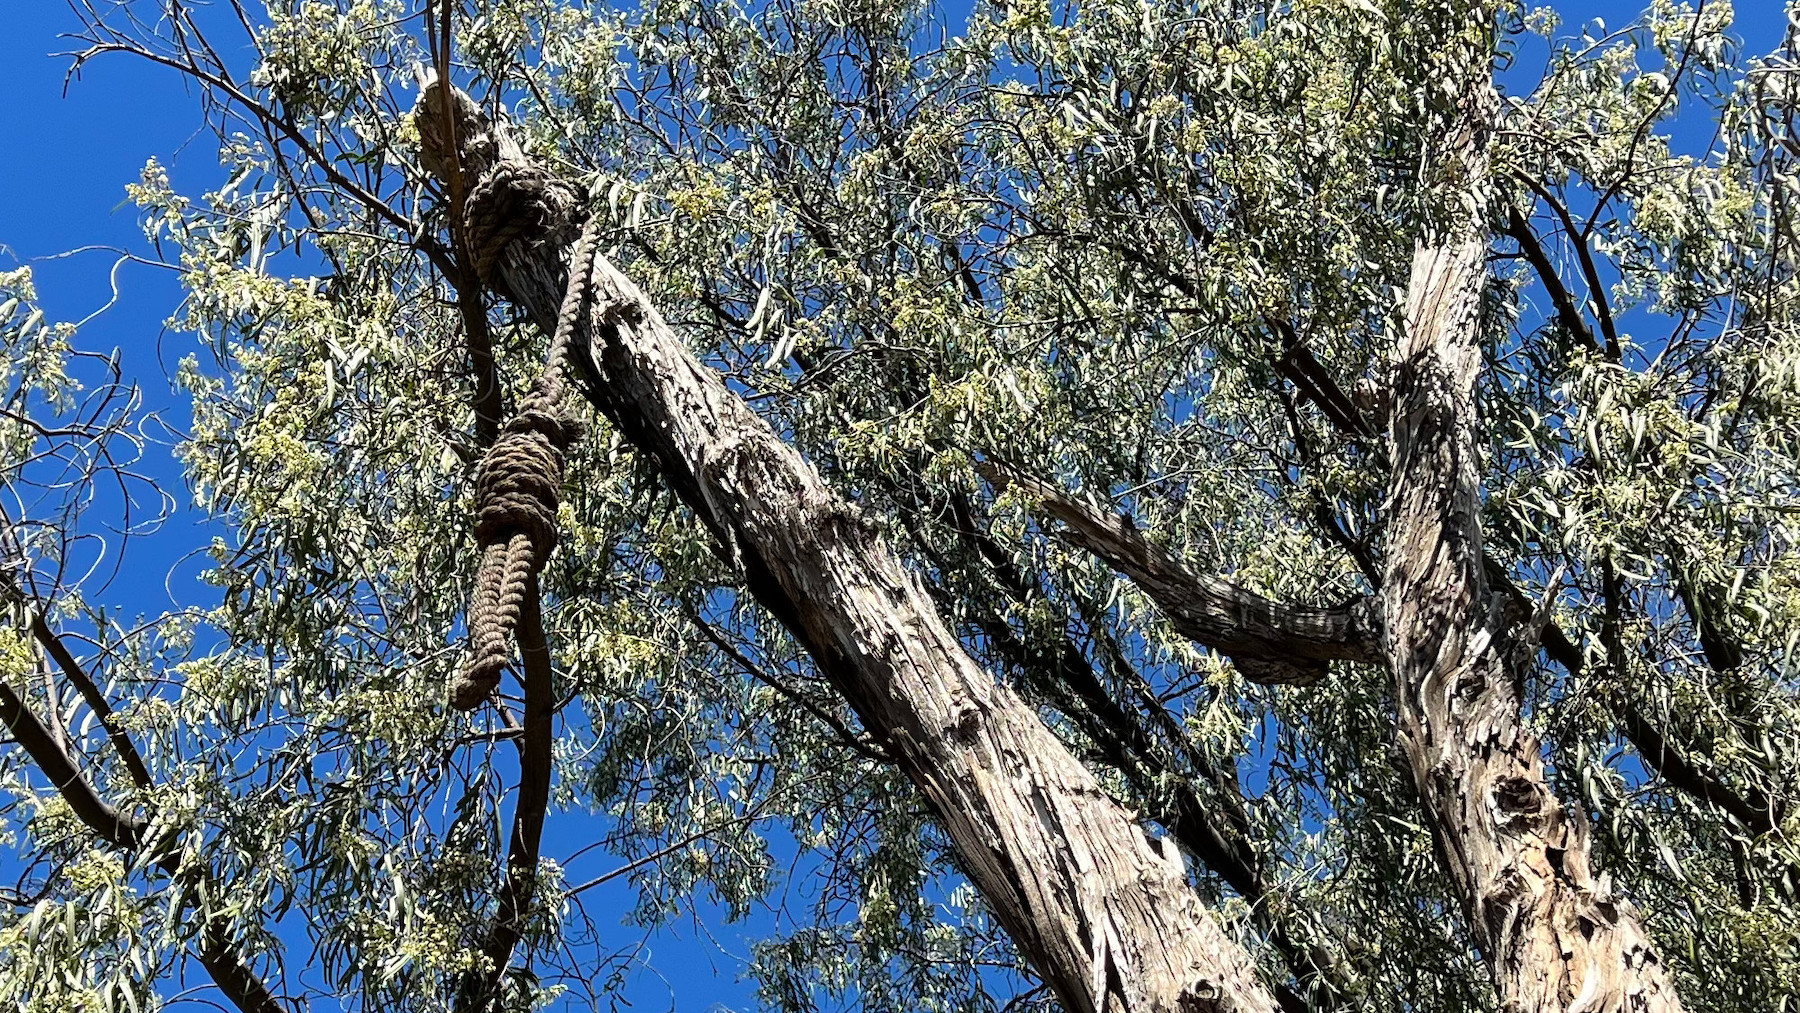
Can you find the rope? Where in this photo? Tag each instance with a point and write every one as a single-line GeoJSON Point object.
{"type": "Point", "coordinates": [521, 475]}
{"type": "Point", "coordinates": [512, 200]}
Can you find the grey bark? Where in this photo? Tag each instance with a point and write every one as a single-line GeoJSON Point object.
{"type": "Point", "coordinates": [1270, 642]}
{"type": "Point", "coordinates": [1555, 935]}
{"type": "Point", "coordinates": [1104, 915]}
{"type": "Point", "coordinates": [1288, 644]}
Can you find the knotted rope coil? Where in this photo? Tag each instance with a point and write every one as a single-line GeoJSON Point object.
{"type": "Point", "coordinates": [513, 200]}
{"type": "Point", "coordinates": [518, 486]}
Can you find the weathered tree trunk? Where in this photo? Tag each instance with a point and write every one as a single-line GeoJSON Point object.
{"type": "Point", "coordinates": [1554, 935]}
{"type": "Point", "coordinates": [1101, 913]}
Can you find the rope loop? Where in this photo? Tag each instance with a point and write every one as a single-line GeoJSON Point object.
{"type": "Point", "coordinates": [513, 200]}
{"type": "Point", "coordinates": [518, 487]}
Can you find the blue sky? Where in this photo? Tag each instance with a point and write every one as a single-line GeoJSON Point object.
{"type": "Point", "coordinates": [63, 168]}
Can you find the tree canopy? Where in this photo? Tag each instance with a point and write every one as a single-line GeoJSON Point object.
{"type": "Point", "coordinates": [1111, 326]}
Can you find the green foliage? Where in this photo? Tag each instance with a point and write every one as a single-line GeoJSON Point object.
{"type": "Point", "coordinates": [1073, 237]}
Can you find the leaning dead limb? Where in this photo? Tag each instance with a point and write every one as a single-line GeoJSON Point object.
{"type": "Point", "coordinates": [1092, 903]}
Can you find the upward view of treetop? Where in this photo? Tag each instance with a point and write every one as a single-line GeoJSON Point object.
{"type": "Point", "coordinates": [1138, 506]}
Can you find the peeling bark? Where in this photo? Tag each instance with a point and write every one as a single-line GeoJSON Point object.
{"type": "Point", "coordinates": [1102, 913]}
{"type": "Point", "coordinates": [1213, 827]}
{"type": "Point", "coordinates": [1554, 934]}
{"type": "Point", "coordinates": [1270, 642]}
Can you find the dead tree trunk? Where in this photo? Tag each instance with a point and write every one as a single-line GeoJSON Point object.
{"type": "Point", "coordinates": [1553, 933]}
{"type": "Point", "coordinates": [1104, 915]}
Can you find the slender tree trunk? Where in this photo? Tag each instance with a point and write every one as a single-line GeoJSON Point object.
{"type": "Point", "coordinates": [1554, 935]}
{"type": "Point", "coordinates": [1104, 915]}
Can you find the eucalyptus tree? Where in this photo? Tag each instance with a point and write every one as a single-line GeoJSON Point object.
{"type": "Point", "coordinates": [1202, 505]}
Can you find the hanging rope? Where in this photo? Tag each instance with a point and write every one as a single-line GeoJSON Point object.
{"type": "Point", "coordinates": [521, 475]}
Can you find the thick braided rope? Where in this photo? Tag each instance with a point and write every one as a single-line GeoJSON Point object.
{"type": "Point", "coordinates": [512, 200]}
{"type": "Point", "coordinates": [517, 497]}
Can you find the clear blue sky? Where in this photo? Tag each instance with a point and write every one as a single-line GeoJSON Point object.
{"type": "Point", "coordinates": [63, 168]}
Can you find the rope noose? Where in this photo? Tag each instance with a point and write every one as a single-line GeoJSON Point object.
{"type": "Point", "coordinates": [521, 475]}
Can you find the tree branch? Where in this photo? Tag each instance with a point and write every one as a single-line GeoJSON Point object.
{"type": "Point", "coordinates": [1585, 257]}
{"type": "Point", "coordinates": [59, 767]}
{"type": "Point", "coordinates": [90, 692]}
{"type": "Point", "coordinates": [1068, 873]}
{"type": "Point", "coordinates": [227, 968]}
{"type": "Point", "coordinates": [845, 735]}
{"type": "Point", "coordinates": [482, 991]}
{"type": "Point", "coordinates": [1751, 809]}
{"type": "Point", "coordinates": [1519, 230]}
{"type": "Point", "coordinates": [1299, 366]}
{"type": "Point", "coordinates": [1270, 642]}
{"type": "Point", "coordinates": [1295, 362]}
{"type": "Point", "coordinates": [1214, 829]}
{"type": "Point", "coordinates": [375, 205]}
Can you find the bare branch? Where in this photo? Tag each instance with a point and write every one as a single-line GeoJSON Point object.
{"type": "Point", "coordinates": [1270, 642]}
{"type": "Point", "coordinates": [1520, 231]}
